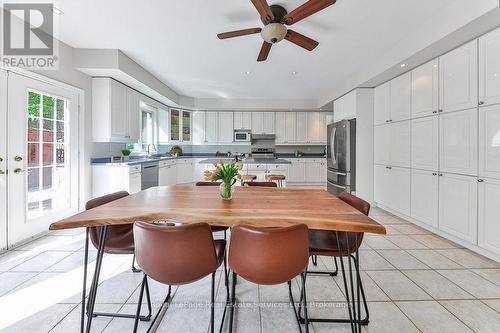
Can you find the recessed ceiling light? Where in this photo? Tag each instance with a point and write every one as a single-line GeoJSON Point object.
{"type": "Point", "coordinates": [403, 65]}
{"type": "Point", "coordinates": [57, 11]}
{"type": "Point", "coordinates": [295, 73]}
{"type": "Point", "coordinates": [248, 72]}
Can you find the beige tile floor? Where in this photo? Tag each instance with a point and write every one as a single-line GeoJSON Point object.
{"type": "Point", "coordinates": [415, 282]}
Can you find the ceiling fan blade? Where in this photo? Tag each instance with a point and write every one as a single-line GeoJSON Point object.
{"type": "Point", "coordinates": [238, 33]}
{"type": "Point", "coordinates": [264, 51]}
{"type": "Point", "coordinates": [301, 40]}
{"type": "Point", "coordinates": [306, 10]}
{"type": "Point", "coordinates": [264, 10]}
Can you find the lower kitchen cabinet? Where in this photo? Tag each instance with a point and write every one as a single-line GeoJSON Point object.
{"type": "Point", "coordinates": [297, 171]}
{"type": "Point", "coordinates": [458, 206]}
{"type": "Point", "coordinates": [488, 220]}
{"type": "Point", "coordinates": [109, 179]}
{"type": "Point", "coordinates": [425, 197]}
{"type": "Point", "coordinates": [392, 188]}
{"type": "Point", "coordinates": [167, 173]}
{"type": "Point", "coordinates": [185, 171]}
{"type": "Point", "coordinates": [315, 171]}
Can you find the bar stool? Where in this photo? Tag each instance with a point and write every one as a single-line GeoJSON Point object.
{"type": "Point", "coordinates": [345, 244]}
{"type": "Point", "coordinates": [178, 255]}
{"type": "Point", "coordinates": [119, 240]}
{"type": "Point", "coordinates": [262, 184]}
{"type": "Point", "coordinates": [247, 178]}
{"type": "Point", "coordinates": [276, 178]}
{"type": "Point", "coordinates": [269, 256]}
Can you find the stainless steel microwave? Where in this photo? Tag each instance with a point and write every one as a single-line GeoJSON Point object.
{"type": "Point", "coordinates": [242, 136]}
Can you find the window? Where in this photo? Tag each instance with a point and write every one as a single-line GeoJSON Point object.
{"type": "Point", "coordinates": [148, 140]}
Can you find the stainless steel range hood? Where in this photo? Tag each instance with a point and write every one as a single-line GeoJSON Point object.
{"type": "Point", "coordinates": [263, 137]}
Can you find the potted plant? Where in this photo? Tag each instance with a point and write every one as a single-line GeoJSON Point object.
{"type": "Point", "coordinates": [228, 173]}
{"type": "Point", "coordinates": [126, 153]}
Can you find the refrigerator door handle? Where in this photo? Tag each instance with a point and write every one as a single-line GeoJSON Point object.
{"type": "Point", "coordinates": [333, 184]}
{"type": "Point", "coordinates": [332, 145]}
{"type": "Point", "coordinates": [337, 173]}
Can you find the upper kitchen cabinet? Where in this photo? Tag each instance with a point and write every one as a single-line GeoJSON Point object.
{"type": "Point", "coordinates": [225, 125]}
{"type": "Point", "coordinates": [489, 68]}
{"type": "Point", "coordinates": [458, 77]}
{"type": "Point", "coordinates": [489, 142]}
{"type": "Point", "coordinates": [382, 103]}
{"type": "Point", "coordinates": [262, 122]}
{"type": "Point", "coordinates": [180, 126]}
{"type": "Point", "coordinates": [458, 139]}
{"type": "Point", "coordinates": [425, 143]}
{"type": "Point", "coordinates": [302, 128]}
{"type": "Point", "coordinates": [316, 127]}
{"type": "Point", "coordinates": [242, 120]}
{"type": "Point", "coordinates": [392, 144]}
{"type": "Point", "coordinates": [286, 128]}
{"type": "Point", "coordinates": [211, 127]}
{"type": "Point", "coordinates": [198, 128]}
{"type": "Point", "coordinates": [345, 107]}
{"type": "Point", "coordinates": [115, 112]}
{"type": "Point", "coordinates": [400, 98]}
{"type": "Point", "coordinates": [425, 90]}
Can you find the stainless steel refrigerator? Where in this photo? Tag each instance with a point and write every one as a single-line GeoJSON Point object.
{"type": "Point", "coordinates": [341, 157]}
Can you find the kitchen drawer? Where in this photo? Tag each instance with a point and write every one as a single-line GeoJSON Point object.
{"type": "Point", "coordinates": [276, 167]}
{"type": "Point", "coordinates": [256, 167]}
{"type": "Point", "coordinates": [167, 163]}
{"type": "Point", "coordinates": [135, 168]}
{"type": "Point", "coordinates": [296, 160]}
{"type": "Point", "coordinates": [315, 160]}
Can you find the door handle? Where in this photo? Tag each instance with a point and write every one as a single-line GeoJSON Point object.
{"type": "Point", "coordinates": [18, 158]}
{"type": "Point", "coordinates": [2, 172]}
{"type": "Point", "coordinates": [18, 170]}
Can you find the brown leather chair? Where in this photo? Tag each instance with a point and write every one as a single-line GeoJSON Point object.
{"type": "Point", "coordinates": [178, 255]}
{"type": "Point", "coordinates": [214, 228]}
{"type": "Point", "coordinates": [269, 256]}
{"type": "Point", "coordinates": [119, 240]}
{"type": "Point", "coordinates": [262, 184]}
{"type": "Point", "coordinates": [341, 244]}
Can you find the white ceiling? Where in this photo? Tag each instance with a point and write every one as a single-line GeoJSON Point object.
{"type": "Point", "coordinates": [176, 41]}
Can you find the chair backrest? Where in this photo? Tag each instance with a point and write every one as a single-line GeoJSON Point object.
{"type": "Point", "coordinates": [175, 255]}
{"type": "Point", "coordinates": [262, 184]}
{"type": "Point", "coordinates": [119, 238]}
{"type": "Point", "coordinates": [359, 204]}
{"type": "Point", "coordinates": [269, 255]}
{"type": "Point", "coordinates": [355, 239]}
{"type": "Point", "coordinates": [208, 183]}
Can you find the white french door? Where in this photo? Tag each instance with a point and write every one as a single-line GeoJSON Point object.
{"type": "Point", "coordinates": [42, 156]}
{"type": "Point", "coordinates": [3, 160]}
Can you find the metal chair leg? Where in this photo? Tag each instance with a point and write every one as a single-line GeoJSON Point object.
{"type": "Point", "coordinates": [233, 300]}
{"type": "Point", "coordinates": [141, 293]}
{"type": "Point", "coordinates": [84, 291]}
{"type": "Point", "coordinates": [212, 305]}
{"type": "Point", "coordinates": [314, 259]}
{"type": "Point", "coordinates": [135, 269]}
{"type": "Point", "coordinates": [306, 317]}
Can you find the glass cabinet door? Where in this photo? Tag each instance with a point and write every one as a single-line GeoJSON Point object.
{"type": "Point", "coordinates": [174, 125]}
{"type": "Point", "coordinates": [186, 126]}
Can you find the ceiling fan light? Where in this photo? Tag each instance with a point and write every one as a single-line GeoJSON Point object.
{"type": "Point", "coordinates": [273, 32]}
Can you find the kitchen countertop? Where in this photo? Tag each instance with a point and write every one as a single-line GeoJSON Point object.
{"type": "Point", "coordinates": [209, 158]}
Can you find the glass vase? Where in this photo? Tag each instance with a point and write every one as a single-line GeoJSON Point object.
{"type": "Point", "coordinates": [226, 190]}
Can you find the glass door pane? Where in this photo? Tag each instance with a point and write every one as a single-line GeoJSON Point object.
{"type": "Point", "coordinates": [174, 125]}
{"type": "Point", "coordinates": [186, 126]}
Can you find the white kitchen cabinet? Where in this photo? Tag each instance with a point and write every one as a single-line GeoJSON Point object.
{"type": "Point", "coordinates": [458, 78]}
{"type": "Point", "coordinates": [425, 89]}
{"type": "Point", "coordinates": [242, 120]}
{"type": "Point", "coordinates": [108, 179]}
{"type": "Point", "coordinates": [225, 127]}
{"type": "Point", "coordinates": [185, 171]}
{"type": "Point", "coordinates": [302, 127]}
{"type": "Point", "coordinates": [258, 170]}
{"type": "Point", "coordinates": [211, 127]}
{"type": "Point", "coordinates": [382, 103]}
{"type": "Point", "coordinates": [488, 221]}
{"type": "Point", "coordinates": [393, 188]}
{"type": "Point", "coordinates": [399, 144]}
{"type": "Point", "coordinates": [286, 127]}
{"type": "Point", "coordinates": [115, 112]}
{"type": "Point", "coordinates": [268, 123]}
{"type": "Point", "coordinates": [489, 68]}
{"type": "Point", "coordinates": [425, 197]}
{"type": "Point", "coordinates": [345, 107]}
{"type": "Point", "coordinates": [458, 206]}
{"type": "Point", "coordinates": [425, 143]}
{"type": "Point", "coordinates": [312, 127]}
{"type": "Point", "coordinates": [199, 169]}
{"type": "Point", "coordinates": [314, 172]}
{"type": "Point", "coordinates": [297, 170]}
{"type": "Point", "coordinates": [489, 141]}
{"type": "Point", "coordinates": [198, 128]}
{"type": "Point", "coordinates": [400, 98]}
{"type": "Point", "coordinates": [163, 126]}
{"type": "Point", "coordinates": [458, 140]}
{"type": "Point", "coordinates": [280, 127]}
{"type": "Point", "coordinates": [323, 128]}
{"type": "Point", "coordinates": [382, 135]}
{"type": "Point", "coordinates": [167, 173]}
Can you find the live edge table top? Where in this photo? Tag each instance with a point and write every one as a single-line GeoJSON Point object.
{"type": "Point", "coordinates": [256, 206]}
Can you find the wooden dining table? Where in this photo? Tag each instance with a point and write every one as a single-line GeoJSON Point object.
{"type": "Point", "coordinates": [255, 206]}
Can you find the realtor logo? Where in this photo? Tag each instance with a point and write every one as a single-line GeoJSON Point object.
{"type": "Point", "coordinates": [27, 38]}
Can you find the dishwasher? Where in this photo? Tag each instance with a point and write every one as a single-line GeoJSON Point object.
{"type": "Point", "coordinates": [149, 175]}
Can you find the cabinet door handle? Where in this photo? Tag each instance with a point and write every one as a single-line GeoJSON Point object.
{"type": "Point", "coordinates": [480, 180]}
{"type": "Point", "coordinates": [481, 103]}
{"type": "Point", "coordinates": [434, 174]}
{"type": "Point", "coordinates": [440, 110]}
{"type": "Point", "coordinates": [440, 175]}
{"type": "Point", "coordinates": [434, 112]}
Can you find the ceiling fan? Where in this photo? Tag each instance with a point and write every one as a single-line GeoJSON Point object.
{"type": "Point", "coordinates": [274, 18]}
